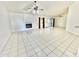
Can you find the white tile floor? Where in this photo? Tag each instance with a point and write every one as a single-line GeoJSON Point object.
{"type": "Point", "coordinates": [41, 43]}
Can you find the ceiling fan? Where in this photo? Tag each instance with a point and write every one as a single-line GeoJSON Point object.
{"type": "Point", "coordinates": [34, 7]}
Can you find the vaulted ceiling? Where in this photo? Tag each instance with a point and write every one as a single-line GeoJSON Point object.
{"type": "Point", "coordinates": [51, 8]}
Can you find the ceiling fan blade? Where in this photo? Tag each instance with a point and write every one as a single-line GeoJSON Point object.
{"type": "Point", "coordinates": [41, 9]}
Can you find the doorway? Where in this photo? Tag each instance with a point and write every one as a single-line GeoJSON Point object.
{"type": "Point", "coordinates": [41, 23]}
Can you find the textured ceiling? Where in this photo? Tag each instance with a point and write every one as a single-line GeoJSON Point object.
{"type": "Point", "coordinates": [51, 8]}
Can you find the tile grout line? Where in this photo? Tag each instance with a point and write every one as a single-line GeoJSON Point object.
{"type": "Point", "coordinates": [37, 44]}
{"type": "Point", "coordinates": [24, 44]}
{"type": "Point", "coordinates": [58, 45]}
{"type": "Point", "coordinates": [32, 47]}
{"type": "Point", "coordinates": [68, 47]}
{"type": "Point", "coordinates": [17, 43]}
{"type": "Point", "coordinates": [6, 43]}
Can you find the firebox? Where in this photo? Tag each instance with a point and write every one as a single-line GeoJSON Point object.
{"type": "Point", "coordinates": [28, 25]}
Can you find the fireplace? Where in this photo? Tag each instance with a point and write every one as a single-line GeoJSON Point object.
{"type": "Point", "coordinates": [28, 25]}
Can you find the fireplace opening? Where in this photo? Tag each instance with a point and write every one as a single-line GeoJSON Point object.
{"type": "Point", "coordinates": [28, 25]}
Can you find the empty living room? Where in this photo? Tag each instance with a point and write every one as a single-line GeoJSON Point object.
{"type": "Point", "coordinates": [39, 28]}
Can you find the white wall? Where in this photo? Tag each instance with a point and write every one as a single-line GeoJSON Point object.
{"type": "Point", "coordinates": [60, 21]}
{"type": "Point", "coordinates": [4, 26]}
{"type": "Point", "coordinates": [19, 21]}
{"type": "Point", "coordinates": [73, 19]}
{"type": "Point", "coordinates": [29, 18]}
